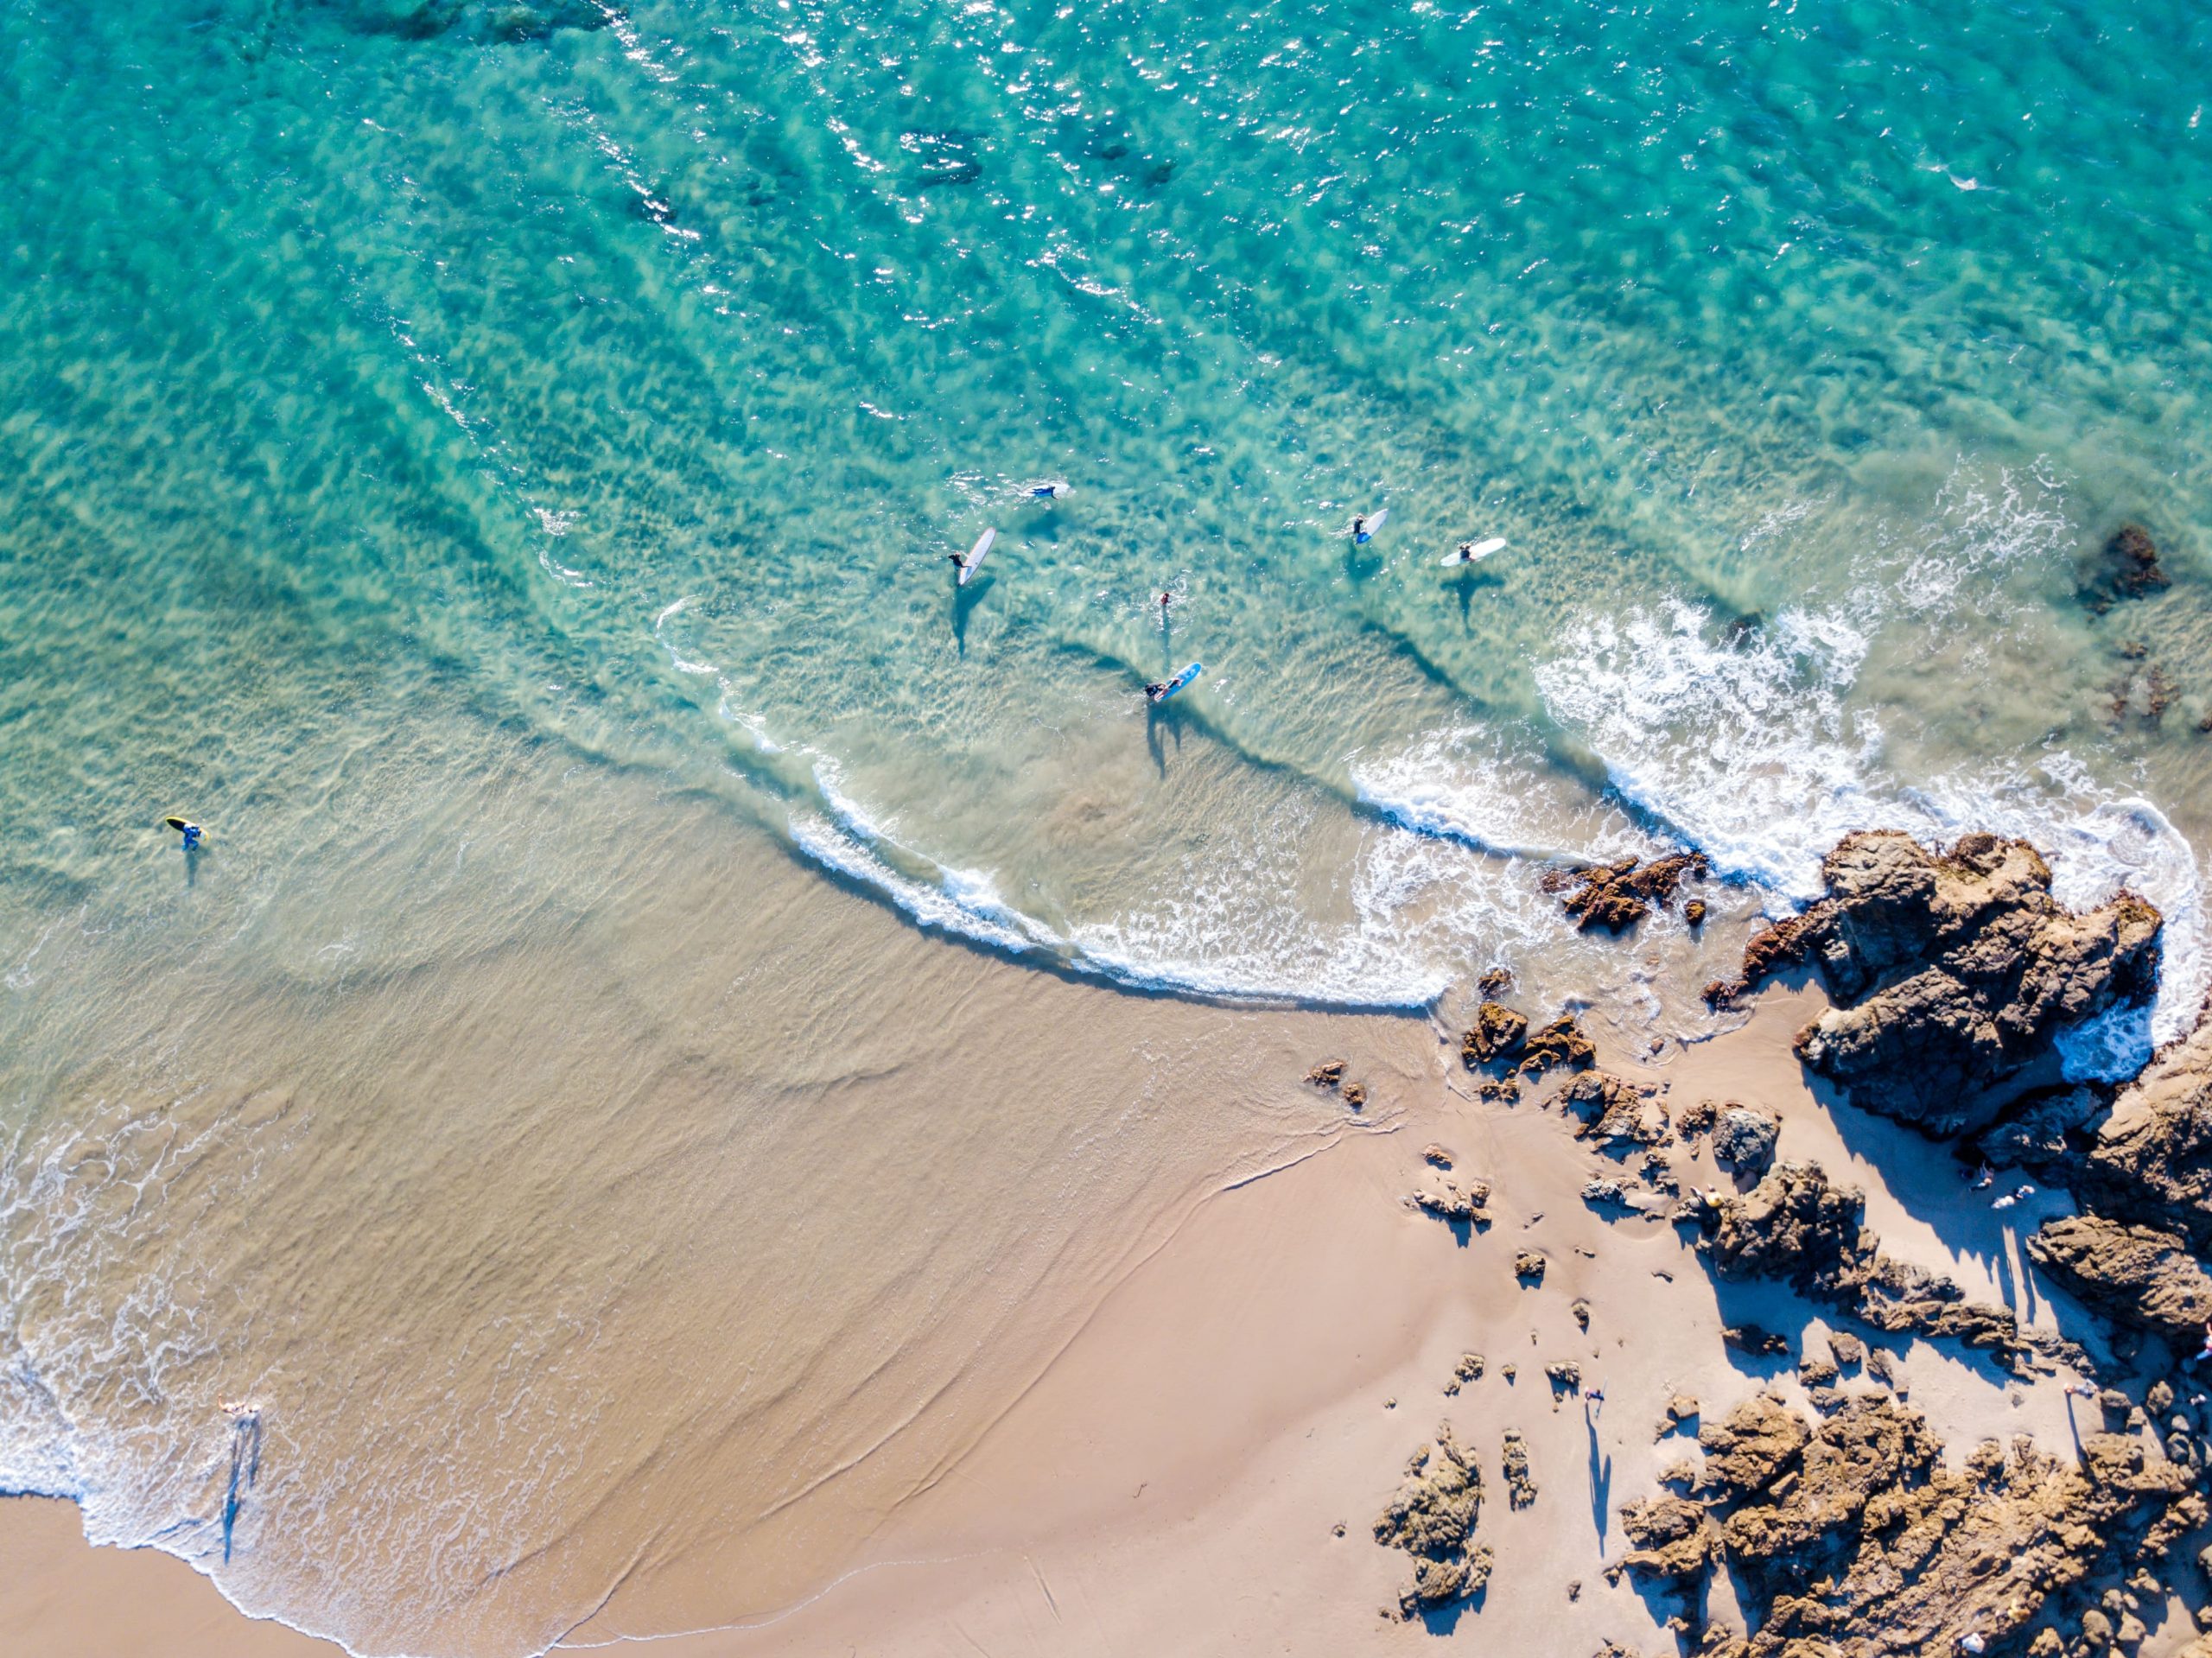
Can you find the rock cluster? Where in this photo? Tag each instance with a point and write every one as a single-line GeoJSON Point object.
{"type": "Point", "coordinates": [1431, 1518]}
{"type": "Point", "coordinates": [1618, 895]}
{"type": "Point", "coordinates": [1501, 1037]}
{"type": "Point", "coordinates": [1953, 972]}
{"type": "Point", "coordinates": [1612, 1112]}
{"type": "Point", "coordinates": [1856, 1532]}
{"type": "Point", "coordinates": [1453, 1197]}
{"type": "Point", "coordinates": [1794, 1226]}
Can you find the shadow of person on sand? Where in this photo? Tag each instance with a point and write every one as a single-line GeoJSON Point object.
{"type": "Point", "coordinates": [1601, 1473]}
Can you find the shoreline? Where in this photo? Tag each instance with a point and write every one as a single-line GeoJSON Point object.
{"type": "Point", "coordinates": [1202, 1460]}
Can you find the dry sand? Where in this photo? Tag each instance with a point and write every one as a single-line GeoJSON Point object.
{"type": "Point", "coordinates": [1177, 1477]}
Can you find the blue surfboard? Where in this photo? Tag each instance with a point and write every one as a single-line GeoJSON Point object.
{"type": "Point", "coordinates": [1179, 682]}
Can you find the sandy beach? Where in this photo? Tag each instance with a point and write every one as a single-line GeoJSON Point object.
{"type": "Point", "coordinates": [1198, 1464]}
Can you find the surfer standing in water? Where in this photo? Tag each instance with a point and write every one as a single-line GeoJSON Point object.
{"type": "Point", "coordinates": [1359, 529]}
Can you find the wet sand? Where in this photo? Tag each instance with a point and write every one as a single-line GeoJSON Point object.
{"type": "Point", "coordinates": [1177, 1474]}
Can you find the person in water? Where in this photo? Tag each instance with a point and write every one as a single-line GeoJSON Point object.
{"type": "Point", "coordinates": [958, 562]}
{"type": "Point", "coordinates": [1044, 491]}
{"type": "Point", "coordinates": [1155, 691]}
{"type": "Point", "coordinates": [193, 832]}
{"type": "Point", "coordinates": [1466, 552]}
{"type": "Point", "coordinates": [1359, 529]}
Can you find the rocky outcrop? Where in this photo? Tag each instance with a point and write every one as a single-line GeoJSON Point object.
{"type": "Point", "coordinates": [1795, 1227]}
{"type": "Point", "coordinates": [1618, 895]}
{"type": "Point", "coordinates": [1560, 1044]}
{"type": "Point", "coordinates": [1744, 1138]}
{"type": "Point", "coordinates": [1854, 1536]}
{"type": "Point", "coordinates": [1612, 1112]}
{"type": "Point", "coordinates": [1433, 1519]}
{"type": "Point", "coordinates": [1453, 1197]}
{"type": "Point", "coordinates": [1953, 972]}
{"type": "Point", "coordinates": [2153, 1158]}
{"type": "Point", "coordinates": [1673, 1539]}
{"type": "Point", "coordinates": [1496, 1034]}
{"type": "Point", "coordinates": [2134, 1275]}
{"type": "Point", "coordinates": [2127, 568]}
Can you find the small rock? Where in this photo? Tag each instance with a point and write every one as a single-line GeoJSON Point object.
{"type": "Point", "coordinates": [1566, 1378]}
{"type": "Point", "coordinates": [1694, 912]}
{"type": "Point", "coordinates": [1529, 1267]}
{"type": "Point", "coordinates": [1698, 1119]}
{"type": "Point", "coordinates": [2160, 1399]}
{"type": "Point", "coordinates": [1469, 1368]}
{"type": "Point", "coordinates": [1752, 1339]}
{"type": "Point", "coordinates": [1327, 1074]}
{"type": "Point", "coordinates": [1450, 1198]}
{"type": "Point", "coordinates": [1507, 1371]}
{"type": "Point", "coordinates": [1816, 1372]}
{"type": "Point", "coordinates": [1850, 1351]}
{"type": "Point", "coordinates": [1580, 1309]}
{"type": "Point", "coordinates": [1494, 980]}
{"type": "Point", "coordinates": [1882, 1367]}
{"type": "Point", "coordinates": [1437, 1155]}
{"type": "Point", "coordinates": [1520, 1485]}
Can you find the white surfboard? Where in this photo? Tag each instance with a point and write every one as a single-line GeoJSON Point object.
{"type": "Point", "coordinates": [976, 555]}
{"type": "Point", "coordinates": [1375, 521]}
{"type": "Point", "coordinates": [1481, 549]}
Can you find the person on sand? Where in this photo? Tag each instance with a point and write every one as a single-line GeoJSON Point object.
{"type": "Point", "coordinates": [2081, 1389]}
{"type": "Point", "coordinates": [2205, 1351]}
{"type": "Point", "coordinates": [1594, 1400]}
{"type": "Point", "coordinates": [1986, 1178]}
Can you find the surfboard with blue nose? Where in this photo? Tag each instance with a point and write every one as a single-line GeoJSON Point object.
{"type": "Point", "coordinates": [1373, 525]}
{"type": "Point", "coordinates": [976, 555]}
{"type": "Point", "coordinates": [1179, 682]}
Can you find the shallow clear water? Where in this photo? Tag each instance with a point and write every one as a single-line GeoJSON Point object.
{"type": "Point", "coordinates": [400, 400]}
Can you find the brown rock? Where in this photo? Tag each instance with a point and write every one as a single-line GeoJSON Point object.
{"type": "Point", "coordinates": [2135, 1275]}
{"type": "Point", "coordinates": [1617, 895]}
{"type": "Point", "coordinates": [1469, 1368]}
{"type": "Point", "coordinates": [2152, 1160]}
{"type": "Point", "coordinates": [1673, 1539]}
{"type": "Point", "coordinates": [1497, 1035]}
{"type": "Point", "coordinates": [1529, 1265]}
{"type": "Point", "coordinates": [1431, 1518]}
{"type": "Point", "coordinates": [1857, 1536]}
{"type": "Point", "coordinates": [1558, 1044]}
{"type": "Point", "coordinates": [1327, 1074]}
{"type": "Point", "coordinates": [1519, 1482]}
{"type": "Point", "coordinates": [1453, 1197]}
{"type": "Point", "coordinates": [1952, 972]}
{"type": "Point", "coordinates": [2127, 568]}
{"type": "Point", "coordinates": [1612, 1112]}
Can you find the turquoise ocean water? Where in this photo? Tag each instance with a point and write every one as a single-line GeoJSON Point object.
{"type": "Point", "coordinates": [390, 388]}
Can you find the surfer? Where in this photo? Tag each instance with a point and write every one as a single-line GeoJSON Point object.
{"type": "Point", "coordinates": [1044, 491]}
{"type": "Point", "coordinates": [1359, 529]}
{"type": "Point", "coordinates": [192, 832]}
{"type": "Point", "coordinates": [1466, 552]}
{"type": "Point", "coordinates": [1163, 599]}
{"type": "Point", "coordinates": [1155, 691]}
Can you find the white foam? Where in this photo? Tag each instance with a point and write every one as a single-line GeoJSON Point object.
{"type": "Point", "coordinates": [1745, 748]}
